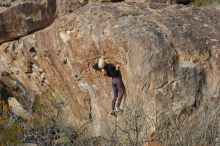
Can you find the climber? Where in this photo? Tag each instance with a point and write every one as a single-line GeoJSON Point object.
{"type": "Point", "coordinates": [117, 83]}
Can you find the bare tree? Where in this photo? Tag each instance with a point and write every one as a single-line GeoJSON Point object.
{"type": "Point", "coordinates": [131, 127]}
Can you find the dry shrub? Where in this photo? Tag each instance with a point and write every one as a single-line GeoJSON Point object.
{"type": "Point", "coordinates": [131, 128]}
{"type": "Point", "coordinates": [205, 2]}
{"type": "Point", "coordinates": [10, 131]}
{"type": "Point", "coordinates": [198, 127]}
{"type": "Point", "coordinates": [45, 127]}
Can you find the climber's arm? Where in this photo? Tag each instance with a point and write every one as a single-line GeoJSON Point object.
{"type": "Point", "coordinates": [96, 67]}
{"type": "Point", "coordinates": [103, 71]}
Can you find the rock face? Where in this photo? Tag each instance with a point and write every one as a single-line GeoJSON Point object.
{"type": "Point", "coordinates": [169, 60]}
{"type": "Point", "coordinates": [17, 108]}
{"type": "Point", "coordinates": [68, 6]}
{"type": "Point", "coordinates": [23, 18]}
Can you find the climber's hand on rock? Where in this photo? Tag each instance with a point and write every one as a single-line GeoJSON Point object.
{"type": "Point", "coordinates": [117, 66]}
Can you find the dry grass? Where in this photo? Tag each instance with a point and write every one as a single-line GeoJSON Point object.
{"type": "Point", "coordinates": [10, 132]}
{"type": "Point", "coordinates": [42, 130]}
{"type": "Point", "coordinates": [201, 127]}
{"type": "Point", "coordinates": [205, 2]}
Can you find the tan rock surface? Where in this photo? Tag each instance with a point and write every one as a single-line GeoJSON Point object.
{"type": "Point", "coordinates": [25, 17]}
{"type": "Point", "coordinates": [169, 60]}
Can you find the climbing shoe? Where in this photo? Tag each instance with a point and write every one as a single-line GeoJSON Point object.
{"type": "Point", "coordinates": [117, 109]}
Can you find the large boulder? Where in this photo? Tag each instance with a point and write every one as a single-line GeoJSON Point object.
{"type": "Point", "coordinates": [169, 60]}
{"type": "Point", "coordinates": [25, 17]}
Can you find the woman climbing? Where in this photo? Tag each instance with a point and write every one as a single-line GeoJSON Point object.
{"type": "Point", "coordinates": [117, 83]}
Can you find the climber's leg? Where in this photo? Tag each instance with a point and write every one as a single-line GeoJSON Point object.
{"type": "Point", "coordinates": [121, 91]}
{"type": "Point", "coordinates": [115, 92]}
{"type": "Point", "coordinates": [120, 95]}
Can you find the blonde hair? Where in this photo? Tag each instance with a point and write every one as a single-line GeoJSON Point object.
{"type": "Point", "coordinates": [101, 63]}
